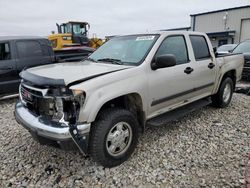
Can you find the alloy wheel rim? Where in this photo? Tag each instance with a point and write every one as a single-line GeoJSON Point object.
{"type": "Point", "coordinates": [227, 93]}
{"type": "Point", "coordinates": [119, 139]}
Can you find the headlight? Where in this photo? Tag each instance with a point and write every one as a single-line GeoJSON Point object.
{"type": "Point", "coordinates": [77, 92]}
{"type": "Point", "coordinates": [79, 96]}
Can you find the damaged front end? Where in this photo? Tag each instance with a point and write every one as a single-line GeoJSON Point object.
{"type": "Point", "coordinates": [55, 111]}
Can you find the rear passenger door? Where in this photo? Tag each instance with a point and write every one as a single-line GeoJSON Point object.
{"type": "Point", "coordinates": [9, 79]}
{"type": "Point", "coordinates": [205, 69]}
{"type": "Point", "coordinates": [30, 54]}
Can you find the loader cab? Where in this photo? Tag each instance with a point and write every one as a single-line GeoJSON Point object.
{"type": "Point", "coordinates": [74, 28]}
{"type": "Point", "coordinates": [78, 30]}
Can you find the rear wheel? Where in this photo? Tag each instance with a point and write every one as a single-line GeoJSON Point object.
{"type": "Point", "coordinates": [224, 95]}
{"type": "Point", "coordinates": [114, 137]}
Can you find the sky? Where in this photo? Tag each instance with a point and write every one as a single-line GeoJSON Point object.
{"type": "Point", "coordinates": [107, 17]}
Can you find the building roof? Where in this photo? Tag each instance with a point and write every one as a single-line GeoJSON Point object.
{"type": "Point", "coordinates": [222, 33]}
{"type": "Point", "coordinates": [222, 10]}
{"type": "Point", "coordinates": [20, 37]}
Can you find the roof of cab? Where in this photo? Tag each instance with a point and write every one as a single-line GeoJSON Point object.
{"type": "Point", "coordinates": [165, 33]}
{"type": "Point", "coordinates": [180, 32]}
{"type": "Point", "coordinates": [4, 38]}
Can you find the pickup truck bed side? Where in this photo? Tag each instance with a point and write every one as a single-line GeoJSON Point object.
{"type": "Point", "coordinates": [229, 64]}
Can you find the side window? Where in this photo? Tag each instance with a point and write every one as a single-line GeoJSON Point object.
{"type": "Point", "coordinates": [45, 49]}
{"type": "Point", "coordinates": [200, 47]}
{"type": "Point", "coordinates": [29, 49]}
{"type": "Point", "coordinates": [176, 46]}
{"type": "Point", "coordinates": [4, 51]}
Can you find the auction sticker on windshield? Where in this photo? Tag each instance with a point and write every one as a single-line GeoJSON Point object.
{"type": "Point", "coordinates": [150, 37]}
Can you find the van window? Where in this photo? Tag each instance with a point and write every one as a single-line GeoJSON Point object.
{"type": "Point", "coordinates": [200, 47]}
{"type": "Point", "coordinates": [174, 45]}
{"type": "Point", "coordinates": [4, 51]}
{"type": "Point", "coordinates": [29, 49]}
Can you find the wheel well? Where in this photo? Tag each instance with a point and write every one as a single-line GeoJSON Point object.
{"type": "Point", "coordinates": [131, 102]}
{"type": "Point", "coordinates": [231, 74]}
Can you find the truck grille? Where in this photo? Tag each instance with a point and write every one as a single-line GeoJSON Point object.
{"type": "Point", "coordinates": [35, 101]}
{"type": "Point", "coordinates": [29, 95]}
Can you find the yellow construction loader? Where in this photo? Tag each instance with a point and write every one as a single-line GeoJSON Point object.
{"type": "Point", "coordinates": [72, 38]}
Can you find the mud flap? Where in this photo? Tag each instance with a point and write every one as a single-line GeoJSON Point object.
{"type": "Point", "coordinates": [80, 140]}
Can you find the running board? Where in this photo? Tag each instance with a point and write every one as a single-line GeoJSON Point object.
{"type": "Point", "coordinates": [178, 113]}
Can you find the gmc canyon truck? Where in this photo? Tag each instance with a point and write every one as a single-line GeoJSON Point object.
{"type": "Point", "coordinates": [103, 103]}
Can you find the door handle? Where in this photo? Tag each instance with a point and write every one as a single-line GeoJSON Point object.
{"type": "Point", "coordinates": [188, 70]}
{"type": "Point", "coordinates": [211, 65]}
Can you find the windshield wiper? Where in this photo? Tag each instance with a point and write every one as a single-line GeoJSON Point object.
{"type": "Point", "coordinates": [111, 60]}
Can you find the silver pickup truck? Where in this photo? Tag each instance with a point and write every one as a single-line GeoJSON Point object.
{"type": "Point", "coordinates": [102, 104]}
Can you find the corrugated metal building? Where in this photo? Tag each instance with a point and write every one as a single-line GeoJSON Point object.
{"type": "Point", "coordinates": [225, 26]}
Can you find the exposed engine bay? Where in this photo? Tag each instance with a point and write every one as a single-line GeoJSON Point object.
{"type": "Point", "coordinates": [53, 104]}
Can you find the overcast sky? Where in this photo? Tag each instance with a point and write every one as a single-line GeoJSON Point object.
{"type": "Point", "coordinates": [106, 17]}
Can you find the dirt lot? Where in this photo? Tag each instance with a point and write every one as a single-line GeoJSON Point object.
{"type": "Point", "coordinates": [206, 148]}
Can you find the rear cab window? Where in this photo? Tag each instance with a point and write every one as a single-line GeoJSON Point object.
{"type": "Point", "coordinates": [28, 49]}
{"type": "Point", "coordinates": [200, 47]}
{"type": "Point", "coordinates": [4, 51]}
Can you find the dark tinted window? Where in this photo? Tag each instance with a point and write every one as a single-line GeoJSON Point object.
{"type": "Point", "coordinates": [176, 46]}
{"type": "Point", "coordinates": [29, 49]}
{"type": "Point", "coordinates": [200, 47]}
{"type": "Point", "coordinates": [46, 50]}
{"type": "Point", "coordinates": [4, 51]}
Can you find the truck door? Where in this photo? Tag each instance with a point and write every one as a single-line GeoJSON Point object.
{"type": "Point", "coordinates": [205, 67]}
{"type": "Point", "coordinates": [172, 86]}
{"type": "Point", "coordinates": [9, 79]}
{"type": "Point", "coordinates": [30, 54]}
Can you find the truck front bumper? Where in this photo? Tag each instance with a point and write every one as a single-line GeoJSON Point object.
{"type": "Point", "coordinates": [48, 129]}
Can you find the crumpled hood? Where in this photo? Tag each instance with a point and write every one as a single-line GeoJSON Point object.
{"type": "Point", "coordinates": [63, 74]}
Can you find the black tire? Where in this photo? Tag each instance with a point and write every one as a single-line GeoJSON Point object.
{"type": "Point", "coordinates": [105, 123]}
{"type": "Point", "coordinates": [218, 100]}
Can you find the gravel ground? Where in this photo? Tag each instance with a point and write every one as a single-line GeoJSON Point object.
{"type": "Point", "coordinates": [205, 148]}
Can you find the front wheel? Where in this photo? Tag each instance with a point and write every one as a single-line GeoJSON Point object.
{"type": "Point", "coordinates": [224, 95]}
{"type": "Point", "coordinates": [113, 137]}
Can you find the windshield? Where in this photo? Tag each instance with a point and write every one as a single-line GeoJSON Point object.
{"type": "Point", "coordinates": [243, 47]}
{"type": "Point", "coordinates": [125, 50]}
{"type": "Point", "coordinates": [67, 28]}
{"type": "Point", "coordinates": [78, 29]}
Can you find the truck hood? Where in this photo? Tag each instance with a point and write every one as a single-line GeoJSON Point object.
{"type": "Point", "coordinates": [66, 74]}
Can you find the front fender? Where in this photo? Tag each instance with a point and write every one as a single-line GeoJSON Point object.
{"type": "Point", "coordinates": [98, 97]}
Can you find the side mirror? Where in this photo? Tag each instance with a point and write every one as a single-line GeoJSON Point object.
{"type": "Point", "coordinates": [163, 61]}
